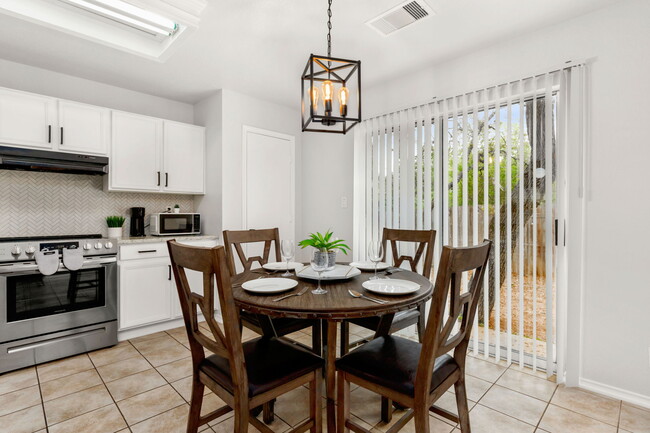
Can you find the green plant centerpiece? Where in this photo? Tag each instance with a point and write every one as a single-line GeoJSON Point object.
{"type": "Point", "coordinates": [115, 223]}
{"type": "Point", "coordinates": [326, 247]}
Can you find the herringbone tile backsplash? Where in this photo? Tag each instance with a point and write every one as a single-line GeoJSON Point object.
{"type": "Point", "coordinates": [48, 204]}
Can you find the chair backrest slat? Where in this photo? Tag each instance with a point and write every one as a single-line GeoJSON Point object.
{"type": "Point", "coordinates": [451, 331]}
{"type": "Point", "coordinates": [425, 240]}
{"type": "Point", "coordinates": [212, 263]}
{"type": "Point", "coordinates": [236, 238]}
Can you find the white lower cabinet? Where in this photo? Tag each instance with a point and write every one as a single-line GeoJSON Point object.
{"type": "Point", "coordinates": [147, 288]}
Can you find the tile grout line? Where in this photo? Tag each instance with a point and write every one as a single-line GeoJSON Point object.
{"type": "Point", "coordinates": [40, 392]}
{"type": "Point", "coordinates": [548, 404]}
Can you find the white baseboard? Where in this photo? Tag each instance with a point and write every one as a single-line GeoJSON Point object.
{"type": "Point", "coordinates": [128, 334]}
{"type": "Point", "coordinates": [614, 392]}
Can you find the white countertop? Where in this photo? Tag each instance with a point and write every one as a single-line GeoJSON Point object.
{"type": "Point", "coordinates": [154, 239]}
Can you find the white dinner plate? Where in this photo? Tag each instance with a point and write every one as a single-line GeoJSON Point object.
{"type": "Point", "coordinates": [387, 286]}
{"type": "Point", "coordinates": [268, 286]}
{"type": "Point", "coordinates": [370, 266]}
{"type": "Point", "coordinates": [340, 272]}
{"type": "Point", "coordinates": [282, 266]}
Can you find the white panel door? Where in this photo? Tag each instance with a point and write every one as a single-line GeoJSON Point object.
{"type": "Point", "coordinates": [144, 292]}
{"type": "Point", "coordinates": [26, 119]}
{"type": "Point", "coordinates": [268, 183]}
{"type": "Point", "coordinates": [83, 128]}
{"type": "Point", "coordinates": [135, 153]}
{"type": "Point", "coordinates": [184, 158]}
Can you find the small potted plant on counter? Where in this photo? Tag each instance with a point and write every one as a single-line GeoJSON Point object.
{"type": "Point", "coordinates": [327, 248]}
{"type": "Point", "coordinates": [115, 224]}
{"type": "Point", "coordinates": [177, 208]}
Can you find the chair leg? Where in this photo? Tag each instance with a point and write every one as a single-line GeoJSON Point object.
{"type": "Point", "coordinates": [342, 403]}
{"type": "Point", "coordinates": [461, 402]}
{"type": "Point", "coordinates": [422, 420]}
{"type": "Point", "coordinates": [315, 407]}
{"type": "Point", "coordinates": [316, 340]}
{"type": "Point", "coordinates": [345, 338]}
{"type": "Point", "coordinates": [241, 415]}
{"type": "Point", "coordinates": [268, 416]}
{"type": "Point", "coordinates": [421, 322]}
{"type": "Point", "coordinates": [386, 409]}
{"type": "Point", "coordinates": [195, 405]}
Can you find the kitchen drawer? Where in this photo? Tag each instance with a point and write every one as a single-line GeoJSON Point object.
{"type": "Point", "coordinates": [143, 251]}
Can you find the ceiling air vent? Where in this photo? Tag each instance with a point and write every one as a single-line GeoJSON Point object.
{"type": "Point", "coordinates": [400, 16]}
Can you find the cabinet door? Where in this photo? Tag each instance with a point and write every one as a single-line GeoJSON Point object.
{"type": "Point", "coordinates": [135, 153]}
{"type": "Point", "coordinates": [83, 128]}
{"type": "Point", "coordinates": [196, 285]}
{"type": "Point", "coordinates": [27, 120]}
{"type": "Point", "coordinates": [184, 158]}
{"type": "Point", "coordinates": [144, 292]}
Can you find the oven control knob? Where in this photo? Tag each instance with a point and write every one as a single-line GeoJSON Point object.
{"type": "Point", "coordinates": [109, 244]}
{"type": "Point", "coordinates": [15, 251]}
{"type": "Point", "coordinates": [87, 246]}
{"type": "Point", "coordinates": [98, 246]}
{"type": "Point", "coordinates": [30, 250]}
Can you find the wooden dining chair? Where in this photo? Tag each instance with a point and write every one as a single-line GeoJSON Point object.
{"type": "Point", "coordinates": [235, 240]}
{"type": "Point", "coordinates": [414, 374]}
{"type": "Point", "coordinates": [244, 375]}
{"type": "Point", "coordinates": [424, 240]}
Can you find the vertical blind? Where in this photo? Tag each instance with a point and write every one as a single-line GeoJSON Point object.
{"type": "Point", "coordinates": [475, 166]}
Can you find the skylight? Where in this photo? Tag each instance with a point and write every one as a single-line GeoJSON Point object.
{"type": "Point", "coordinates": [147, 28]}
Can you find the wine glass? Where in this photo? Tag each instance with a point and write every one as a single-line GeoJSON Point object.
{"type": "Point", "coordinates": [320, 264]}
{"type": "Point", "coordinates": [287, 249]}
{"type": "Point", "coordinates": [375, 253]}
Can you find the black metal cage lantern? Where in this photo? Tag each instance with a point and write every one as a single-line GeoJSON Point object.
{"type": "Point", "coordinates": [331, 94]}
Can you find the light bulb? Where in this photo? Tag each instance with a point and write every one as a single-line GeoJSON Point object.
{"type": "Point", "coordinates": [328, 91]}
{"type": "Point", "coordinates": [314, 94]}
{"type": "Point", "coordinates": [344, 97]}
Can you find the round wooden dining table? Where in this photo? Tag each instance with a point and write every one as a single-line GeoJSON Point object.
{"type": "Point", "coordinates": [334, 306]}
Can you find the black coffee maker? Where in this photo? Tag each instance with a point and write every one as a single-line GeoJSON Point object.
{"type": "Point", "coordinates": [137, 221]}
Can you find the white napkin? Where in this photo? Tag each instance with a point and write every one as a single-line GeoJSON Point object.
{"type": "Point", "coordinates": [47, 262]}
{"type": "Point", "coordinates": [73, 259]}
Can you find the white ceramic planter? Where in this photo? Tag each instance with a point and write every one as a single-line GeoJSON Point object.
{"type": "Point", "coordinates": [115, 232]}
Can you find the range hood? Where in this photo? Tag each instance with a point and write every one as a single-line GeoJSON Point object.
{"type": "Point", "coordinates": [12, 158]}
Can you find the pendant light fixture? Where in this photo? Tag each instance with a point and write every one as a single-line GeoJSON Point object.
{"type": "Point", "coordinates": [331, 90]}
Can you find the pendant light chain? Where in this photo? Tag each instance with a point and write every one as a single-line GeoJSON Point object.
{"type": "Point", "coordinates": [329, 28]}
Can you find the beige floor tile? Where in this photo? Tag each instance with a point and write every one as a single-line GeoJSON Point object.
{"type": "Point", "coordinates": [24, 421]}
{"type": "Point", "coordinates": [168, 353]}
{"type": "Point", "coordinates": [150, 403]}
{"type": "Point", "coordinates": [176, 370]}
{"type": "Point", "coordinates": [18, 400]}
{"type": "Point", "coordinates": [486, 420]}
{"type": "Point", "coordinates": [448, 403]}
{"type": "Point", "coordinates": [19, 379]}
{"type": "Point", "coordinates": [135, 384]}
{"type": "Point", "coordinates": [79, 403]}
{"type": "Point", "coordinates": [121, 369]}
{"type": "Point", "coordinates": [560, 420]}
{"type": "Point", "coordinates": [184, 388]}
{"type": "Point", "coordinates": [366, 405]}
{"type": "Point", "coordinates": [138, 340]}
{"type": "Point", "coordinates": [586, 403]}
{"type": "Point", "coordinates": [63, 367]}
{"type": "Point", "coordinates": [228, 426]}
{"type": "Point", "coordinates": [435, 425]}
{"type": "Point", "coordinates": [122, 351]}
{"type": "Point", "coordinates": [70, 384]}
{"type": "Point", "coordinates": [482, 369]}
{"type": "Point", "coordinates": [634, 419]}
{"type": "Point", "coordinates": [476, 387]}
{"type": "Point", "coordinates": [514, 404]}
{"type": "Point", "coordinates": [527, 384]}
{"type": "Point", "coordinates": [172, 421]}
{"type": "Point", "coordinates": [211, 402]}
{"type": "Point", "coordinates": [293, 407]}
{"type": "Point", "coordinates": [104, 420]}
{"type": "Point", "coordinates": [155, 344]}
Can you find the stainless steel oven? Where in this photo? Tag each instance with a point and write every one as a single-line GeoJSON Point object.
{"type": "Point", "coordinates": [46, 317]}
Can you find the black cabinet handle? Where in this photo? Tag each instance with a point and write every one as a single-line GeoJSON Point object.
{"type": "Point", "coordinates": [166, 180]}
{"type": "Point", "coordinates": [49, 133]}
{"type": "Point", "coordinates": [169, 272]}
{"type": "Point", "coordinates": [556, 225]}
{"type": "Point", "coordinates": [62, 135]}
{"type": "Point", "coordinates": [158, 178]}
{"type": "Point", "coordinates": [146, 251]}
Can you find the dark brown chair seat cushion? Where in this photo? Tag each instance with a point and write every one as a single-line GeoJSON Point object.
{"type": "Point", "coordinates": [372, 322]}
{"type": "Point", "coordinates": [269, 363]}
{"type": "Point", "coordinates": [392, 362]}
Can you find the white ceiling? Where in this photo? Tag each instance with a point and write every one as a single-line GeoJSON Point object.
{"type": "Point", "coordinates": [259, 47]}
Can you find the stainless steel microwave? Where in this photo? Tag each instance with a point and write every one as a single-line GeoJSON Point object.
{"type": "Point", "coordinates": [168, 224]}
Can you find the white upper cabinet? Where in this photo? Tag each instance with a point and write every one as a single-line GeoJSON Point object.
{"type": "Point", "coordinates": [83, 128]}
{"type": "Point", "coordinates": [27, 120]}
{"type": "Point", "coordinates": [184, 158]}
{"type": "Point", "coordinates": [135, 153]}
